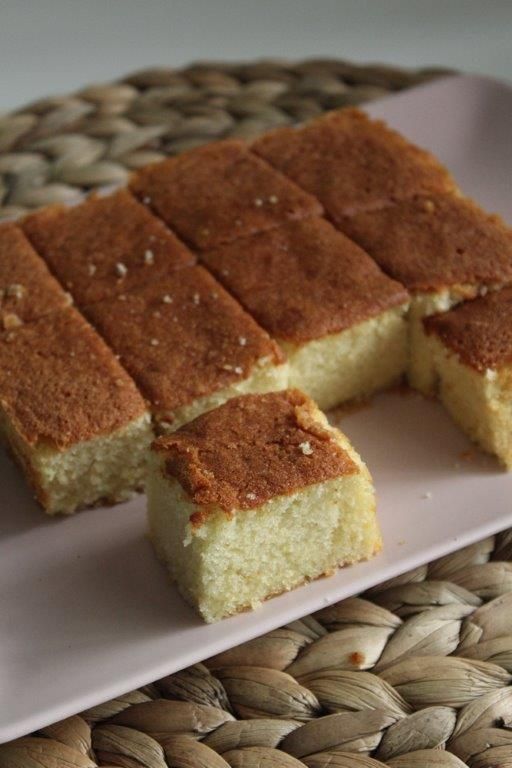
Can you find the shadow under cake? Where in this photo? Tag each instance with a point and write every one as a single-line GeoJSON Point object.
{"type": "Point", "coordinates": [105, 246]}
{"type": "Point", "coordinates": [470, 351]}
{"type": "Point", "coordinates": [27, 289]}
{"type": "Point", "coordinates": [339, 319]}
{"type": "Point", "coordinates": [220, 192]}
{"type": "Point", "coordinates": [444, 249]}
{"type": "Point", "coordinates": [188, 345]}
{"type": "Point", "coordinates": [70, 414]}
{"type": "Point", "coordinates": [230, 500]}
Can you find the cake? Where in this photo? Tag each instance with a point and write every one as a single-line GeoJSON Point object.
{"type": "Point", "coordinates": [471, 354]}
{"type": "Point", "coordinates": [256, 497]}
{"type": "Point", "coordinates": [105, 246]}
{"type": "Point", "coordinates": [70, 414]}
{"type": "Point", "coordinates": [444, 249]}
{"type": "Point", "coordinates": [352, 163]}
{"type": "Point", "coordinates": [220, 192]}
{"type": "Point", "coordinates": [338, 318]}
{"type": "Point", "coordinates": [27, 289]}
{"type": "Point", "coordinates": [188, 345]}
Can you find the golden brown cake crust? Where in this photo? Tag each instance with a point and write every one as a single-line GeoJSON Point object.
{"type": "Point", "coordinates": [105, 246]}
{"type": "Point", "coordinates": [479, 331]}
{"type": "Point", "coordinates": [27, 289]}
{"type": "Point", "coordinates": [252, 449]}
{"type": "Point", "coordinates": [436, 241]}
{"type": "Point", "coordinates": [352, 163]}
{"type": "Point", "coordinates": [304, 280]}
{"type": "Point", "coordinates": [60, 384]}
{"type": "Point", "coordinates": [220, 192]}
{"type": "Point", "coordinates": [182, 338]}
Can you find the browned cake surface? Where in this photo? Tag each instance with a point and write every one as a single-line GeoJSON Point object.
{"type": "Point", "coordinates": [220, 192]}
{"type": "Point", "coordinates": [435, 241]}
{"type": "Point", "coordinates": [27, 290]}
{"type": "Point", "coordinates": [352, 163]}
{"type": "Point", "coordinates": [304, 280]}
{"type": "Point", "coordinates": [252, 449]}
{"type": "Point", "coordinates": [479, 331]}
{"type": "Point", "coordinates": [60, 384]}
{"type": "Point", "coordinates": [182, 338]}
{"type": "Point", "coordinates": [105, 246]}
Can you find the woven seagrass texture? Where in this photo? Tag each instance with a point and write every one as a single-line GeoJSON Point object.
{"type": "Point", "coordinates": [60, 147]}
{"type": "Point", "coordinates": [416, 673]}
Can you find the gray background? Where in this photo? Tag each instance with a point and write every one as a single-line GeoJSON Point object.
{"type": "Point", "coordinates": [53, 46]}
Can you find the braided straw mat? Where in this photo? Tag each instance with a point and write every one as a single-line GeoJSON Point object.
{"type": "Point", "coordinates": [417, 672]}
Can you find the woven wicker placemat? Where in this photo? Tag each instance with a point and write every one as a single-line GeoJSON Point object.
{"type": "Point", "coordinates": [414, 674]}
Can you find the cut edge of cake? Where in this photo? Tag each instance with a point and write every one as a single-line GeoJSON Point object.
{"type": "Point", "coordinates": [355, 363]}
{"type": "Point", "coordinates": [224, 563]}
{"type": "Point", "coordinates": [420, 370]}
{"type": "Point", "coordinates": [107, 469]}
{"type": "Point", "coordinates": [479, 402]}
{"type": "Point", "coordinates": [72, 419]}
{"type": "Point", "coordinates": [444, 249]}
{"type": "Point", "coordinates": [470, 352]}
{"type": "Point", "coordinates": [337, 316]}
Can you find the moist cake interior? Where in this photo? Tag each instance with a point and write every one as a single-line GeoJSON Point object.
{"type": "Point", "coordinates": [71, 414]}
{"type": "Point", "coordinates": [231, 496]}
{"type": "Point", "coordinates": [444, 250]}
{"type": "Point", "coordinates": [471, 355]}
{"type": "Point", "coordinates": [337, 316]}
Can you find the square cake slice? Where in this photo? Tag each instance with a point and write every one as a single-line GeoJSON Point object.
{"type": "Point", "coordinates": [105, 246]}
{"type": "Point", "coordinates": [220, 192]}
{"type": "Point", "coordinates": [256, 497]}
{"type": "Point", "coordinates": [188, 345]}
{"type": "Point", "coordinates": [352, 163]}
{"type": "Point", "coordinates": [444, 249]}
{"type": "Point", "coordinates": [339, 319]}
{"type": "Point", "coordinates": [27, 289]}
{"type": "Point", "coordinates": [471, 354]}
{"type": "Point", "coordinates": [70, 414]}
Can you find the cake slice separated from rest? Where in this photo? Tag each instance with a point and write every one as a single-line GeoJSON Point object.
{"type": "Point", "coordinates": [70, 414]}
{"type": "Point", "coordinates": [352, 163]}
{"type": "Point", "coordinates": [219, 192]}
{"type": "Point", "coordinates": [470, 349]}
{"type": "Point", "coordinates": [256, 497]}
{"type": "Point", "coordinates": [105, 246]}
{"type": "Point", "coordinates": [27, 289]}
{"type": "Point", "coordinates": [337, 316]}
{"type": "Point", "coordinates": [444, 249]}
{"type": "Point", "coordinates": [189, 345]}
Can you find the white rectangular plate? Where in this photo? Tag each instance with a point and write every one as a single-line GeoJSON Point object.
{"type": "Point", "coordinates": [86, 611]}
